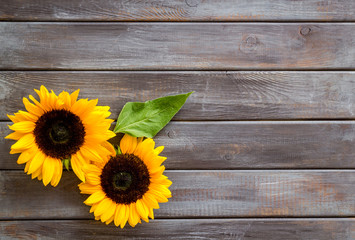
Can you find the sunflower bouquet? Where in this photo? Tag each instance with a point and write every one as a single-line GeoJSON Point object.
{"type": "Point", "coordinates": [125, 181]}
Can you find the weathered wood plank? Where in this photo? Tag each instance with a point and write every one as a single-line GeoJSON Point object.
{"type": "Point", "coordinates": [273, 193]}
{"type": "Point", "coordinates": [178, 10]}
{"type": "Point", "coordinates": [218, 95]}
{"type": "Point", "coordinates": [246, 145]}
{"type": "Point", "coordinates": [276, 229]}
{"type": "Point", "coordinates": [177, 46]}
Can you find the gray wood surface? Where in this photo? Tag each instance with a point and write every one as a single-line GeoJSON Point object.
{"type": "Point", "coordinates": [246, 145]}
{"type": "Point", "coordinates": [177, 46]}
{"type": "Point", "coordinates": [268, 193]}
{"type": "Point", "coordinates": [230, 229]}
{"type": "Point", "coordinates": [218, 95]}
{"type": "Point", "coordinates": [178, 10]}
{"type": "Point", "coordinates": [234, 176]}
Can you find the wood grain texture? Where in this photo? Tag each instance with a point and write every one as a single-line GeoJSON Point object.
{"type": "Point", "coordinates": [218, 95]}
{"type": "Point", "coordinates": [276, 229]}
{"type": "Point", "coordinates": [178, 10]}
{"type": "Point", "coordinates": [246, 145]}
{"type": "Point", "coordinates": [311, 193]}
{"type": "Point", "coordinates": [176, 46]}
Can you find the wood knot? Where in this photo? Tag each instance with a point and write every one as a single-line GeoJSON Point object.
{"type": "Point", "coordinates": [228, 157]}
{"type": "Point", "coordinates": [249, 43]}
{"type": "Point", "coordinates": [171, 134]}
{"type": "Point", "coordinates": [192, 3]}
{"type": "Point", "coordinates": [305, 31]}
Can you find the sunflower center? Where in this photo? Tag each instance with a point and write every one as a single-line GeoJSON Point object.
{"type": "Point", "coordinates": [122, 180]}
{"type": "Point", "coordinates": [125, 178]}
{"type": "Point", "coordinates": [59, 133]}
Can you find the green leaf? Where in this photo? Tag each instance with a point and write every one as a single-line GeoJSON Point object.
{"type": "Point", "coordinates": [147, 119]}
{"type": "Point", "coordinates": [66, 163]}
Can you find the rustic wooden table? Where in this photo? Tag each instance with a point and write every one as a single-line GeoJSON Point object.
{"type": "Point", "coordinates": [264, 148]}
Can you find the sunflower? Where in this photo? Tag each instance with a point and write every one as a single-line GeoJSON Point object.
{"type": "Point", "coordinates": [59, 129]}
{"type": "Point", "coordinates": [128, 186]}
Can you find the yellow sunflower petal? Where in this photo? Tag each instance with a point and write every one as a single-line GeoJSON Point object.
{"type": "Point", "coordinates": [158, 195]}
{"type": "Point", "coordinates": [14, 151]}
{"type": "Point", "coordinates": [93, 179]}
{"type": "Point", "coordinates": [74, 96]}
{"type": "Point", "coordinates": [102, 108]}
{"type": "Point", "coordinates": [12, 118]}
{"type": "Point", "coordinates": [26, 116]}
{"type": "Point", "coordinates": [90, 154]}
{"type": "Point", "coordinates": [89, 108]}
{"type": "Point", "coordinates": [36, 162]}
{"type": "Point", "coordinates": [150, 201]}
{"type": "Point", "coordinates": [166, 182]}
{"type": "Point", "coordinates": [95, 197]}
{"type": "Point", "coordinates": [36, 173]}
{"type": "Point", "coordinates": [57, 174]}
{"type": "Point", "coordinates": [151, 213]}
{"type": "Point", "coordinates": [124, 208]}
{"type": "Point", "coordinates": [43, 96]}
{"type": "Point", "coordinates": [54, 102]}
{"type": "Point", "coordinates": [51, 100]}
{"type": "Point", "coordinates": [77, 165]}
{"type": "Point", "coordinates": [102, 164]}
{"type": "Point", "coordinates": [109, 213]}
{"type": "Point", "coordinates": [119, 214]}
{"type": "Point", "coordinates": [48, 169]}
{"type": "Point", "coordinates": [86, 188]}
{"type": "Point", "coordinates": [160, 188]}
{"type": "Point", "coordinates": [40, 177]}
{"type": "Point", "coordinates": [15, 135]}
{"type": "Point", "coordinates": [94, 117]}
{"type": "Point", "coordinates": [148, 144]}
{"type": "Point", "coordinates": [44, 90]}
{"type": "Point", "coordinates": [133, 218]}
{"type": "Point", "coordinates": [128, 144]}
{"type": "Point", "coordinates": [145, 148]}
{"type": "Point", "coordinates": [91, 168]}
{"type": "Point", "coordinates": [161, 181]}
{"type": "Point", "coordinates": [142, 209]}
{"type": "Point", "coordinates": [156, 172]}
{"type": "Point", "coordinates": [23, 127]}
{"type": "Point", "coordinates": [24, 143]}
{"type": "Point", "coordinates": [108, 221]}
{"type": "Point", "coordinates": [27, 166]}
{"type": "Point", "coordinates": [83, 106]}
{"type": "Point", "coordinates": [100, 150]}
{"type": "Point", "coordinates": [158, 160]}
{"type": "Point", "coordinates": [93, 208]}
{"type": "Point", "coordinates": [24, 157]}
{"type": "Point", "coordinates": [31, 108]}
{"type": "Point", "coordinates": [38, 104]}
{"type": "Point", "coordinates": [65, 97]}
{"type": "Point", "coordinates": [158, 150]}
{"type": "Point", "coordinates": [102, 207]}
{"type": "Point", "coordinates": [96, 138]}
{"type": "Point", "coordinates": [109, 147]}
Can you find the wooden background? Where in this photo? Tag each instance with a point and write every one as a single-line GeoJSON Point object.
{"type": "Point", "coordinates": [264, 148]}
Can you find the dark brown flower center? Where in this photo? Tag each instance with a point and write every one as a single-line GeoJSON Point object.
{"type": "Point", "coordinates": [122, 180]}
{"type": "Point", "coordinates": [59, 133]}
{"type": "Point", "coordinates": [125, 178]}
